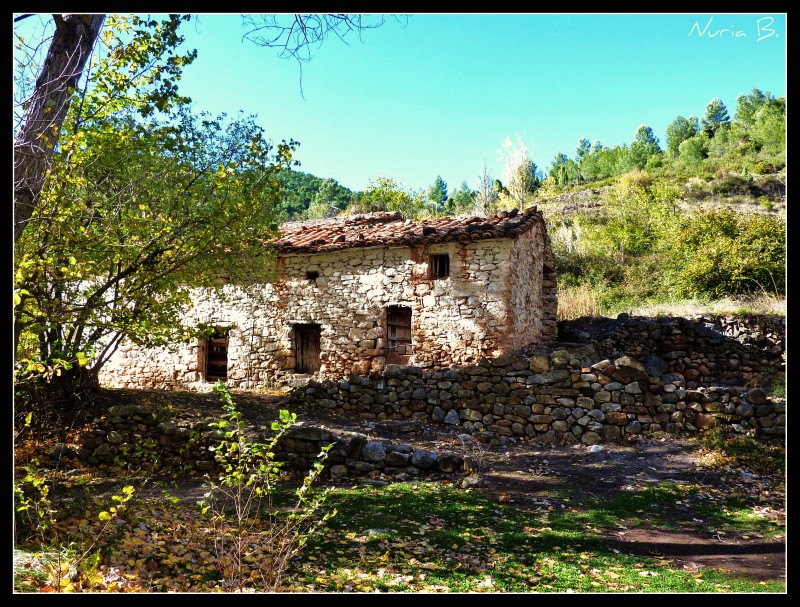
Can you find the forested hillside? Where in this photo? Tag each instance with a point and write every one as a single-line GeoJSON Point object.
{"type": "Point", "coordinates": [698, 219]}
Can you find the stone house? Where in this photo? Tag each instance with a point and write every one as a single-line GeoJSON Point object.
{"type": "Point", "coordinates": [354, 294]}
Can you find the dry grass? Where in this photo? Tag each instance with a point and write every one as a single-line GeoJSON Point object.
{"type": "Point", "coordinates": [758, 304]}
{"type": "Point", "coordinates": [575, 302]}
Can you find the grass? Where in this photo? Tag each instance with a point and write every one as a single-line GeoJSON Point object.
{"type": "Point", "coordinates": [432, 537]}
{"type": "Point", "coordinates": [576, 302]}
{"type": "Point", "coordinates": [439, 537]}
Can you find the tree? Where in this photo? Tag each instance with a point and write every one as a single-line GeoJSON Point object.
{"type": "Point", "coordinates": [584, 147]}
{"type": "Point", "coordinates": [462, 200]}
{"type": "Point", "coordinates": [678, 131]}
{"type": "Point", "coordinates": [437, 193]}
{"type": "Point", "coordinates": [693, 150]}
{"type": "Point", "coordinates": [294, 35]}
{"type": "Point", "coordinates": [46, 108]}
{"type": "Point", "coordinates": [487, 195]}
{"type": "Point", "coordinates": [715, 117]}
{"type": "Point", "coordinates": [564, 171]}
{"type": "Point", "coordinates": [387, 194]}
{"type": "Point", "coordinates": [519, 173]}
{"type": "Point", "coordinates": [70, 47]}
{"type": "Point", "coordinates": [747, 104]}
{"type": "Point", "coordinates": [142, 198]}
{"type": "Point", "coordinates": [644, 146]}
{"type": "Point", "coordinates": [130, 194]}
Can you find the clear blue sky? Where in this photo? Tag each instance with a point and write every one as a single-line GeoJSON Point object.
{"type": "Point", "coordinates": [438, 94]}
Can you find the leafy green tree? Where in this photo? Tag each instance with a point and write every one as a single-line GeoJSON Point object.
{"type": "Point", "coordinates": [747, 104]}
{"type": "Point", "coordinates": [769, 126]}
{"type": "Point", "coordinates": [715, 117]}
{"type": "Point", "coordinates": [143, 197]}
{"type": "Point", "coordinates": [644, 146]}
{"type": "Point", "coordinates": [694, 150]}
{"type": "Point", "coordinates": [584, 148]}
{"type": "Point", "coordinates": [461, 201]}
{"type": "Point", "coordinates": [437, 193]}
{"type": "Point", "coordinates": [678, 131]}
{"type": "Point", "coordinates": [564, 171]}
{"type": "Point", "coordinates": [387, 194]}
{"type": "Point", "coordinates": [47, 97]}
{"type": "Point", "coordinates": [45, 104]}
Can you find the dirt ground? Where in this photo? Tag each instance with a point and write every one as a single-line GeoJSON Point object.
{"type": "Point", "coordinates": [529, 474]}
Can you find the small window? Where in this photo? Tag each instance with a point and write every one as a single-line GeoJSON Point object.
{"type": "Point", "coordinates": [439, 266]}
{"type": "Point", "coordinates": [398, 334]}
{"type": "Point", "coordinates": [312, 276]}
{"type": "Point", "coordinates": [216, 363]}
{"type": "Point", "coordinates": [306, 348]}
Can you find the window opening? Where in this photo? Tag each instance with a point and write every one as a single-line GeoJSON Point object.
{"type": "Point", "coordinates": [439, 266]}
{"type": "Point", "coordinates": [312, 276]}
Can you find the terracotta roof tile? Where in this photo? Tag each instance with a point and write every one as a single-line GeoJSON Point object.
{"type": "Point", "coordinates": [390, 229]}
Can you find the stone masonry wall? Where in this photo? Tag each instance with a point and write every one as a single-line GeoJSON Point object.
{"type": "Point", "coordinates": [138, 436]}
{"type": "Point", "coordinates": [526, 285]}
{"type": "Point", "coordinates": [456, 320]}
{"type": "Point", "coordinates": [573, 394]}
{"type": "Point", "coordinates": [677, 376]}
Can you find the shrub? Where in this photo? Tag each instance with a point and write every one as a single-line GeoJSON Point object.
{"type": "Point", "coordinates": [241, 505]}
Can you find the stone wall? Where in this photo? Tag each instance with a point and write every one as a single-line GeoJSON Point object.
{"type": "Point", "coordinates": [682, 376]}
{"type": "Point", "coordinates": [137, 436]}
{"type": "Point", "coordinates": [658, 378]}
{"type": "Point", "coordinates": [477, 311]}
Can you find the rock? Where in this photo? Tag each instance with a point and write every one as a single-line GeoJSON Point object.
{"type": "Point", "coordinates": [450, 463]}
{"type": "Point", "coordinates": [655, 366]}
{"type": "Point", "coordinates": [452, 418]}
{"type": "Point", "coordinates": [61, 450]}
{"type": "Point", "coordinates": [424, 459]}
{"type": "Point", "coordinates": [373, 451]}
{"type": "Point", "coordinates": [471, 481]}
{"type": "Point", "coordinates": [756, 397]}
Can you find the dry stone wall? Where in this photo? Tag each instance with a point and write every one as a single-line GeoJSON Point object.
{"type": "Point", "coordinates": [140, 437]}
{"type": "Point", "coordinates": [686, 375]}
{"type": "Point", "coordinates": [648, 377]}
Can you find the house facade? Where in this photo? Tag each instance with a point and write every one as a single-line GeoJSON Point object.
{"type": "Point", "coordinates": [354, 294]}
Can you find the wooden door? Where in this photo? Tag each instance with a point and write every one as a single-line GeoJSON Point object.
{"type": "Point", "coordinates": [306, 348]}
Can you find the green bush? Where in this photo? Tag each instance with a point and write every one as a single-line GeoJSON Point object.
{"type": "Point", "coordinates": [718, 252]}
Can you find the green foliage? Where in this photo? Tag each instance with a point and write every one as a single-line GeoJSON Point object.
{"type": "Point", "coordinates": [305, 196]}
{"type": "Point", "coordinates": [716, 252]}
{"type": "Point", "coordinates": [387, 194]}
{"type": "Point", "coordinates": [715, 117]}
{"type": "Point", "coordinates": [644, 146]}
{"type": "Point", "coordinates": [678, 131]}
{"type": "Point", "coordinates": [461, 201]}
{"type": "Point", "coordinates": [692, 151]}
{"type": "Point", "coordinates": [437, 193]}
{"type": "Point", "coordinates": [240, 503]}
{"type": "Point", "coordinates": [143, 198]}
{"type": "Point", "coordinates": [36, 521]}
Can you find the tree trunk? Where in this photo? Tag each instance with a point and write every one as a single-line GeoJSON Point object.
{"type": "Point", "coordinates": [71, 46]}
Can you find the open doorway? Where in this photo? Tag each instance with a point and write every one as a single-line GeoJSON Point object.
{"type": "Point", "coordinates": [216, 356]}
